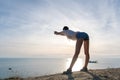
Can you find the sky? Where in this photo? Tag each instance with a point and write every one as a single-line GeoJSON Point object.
{"type": "Point", "coordinates": [27, 27]}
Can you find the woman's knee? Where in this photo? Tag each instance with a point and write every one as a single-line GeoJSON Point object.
{"type": "Point", "coordinates": [87, 54]}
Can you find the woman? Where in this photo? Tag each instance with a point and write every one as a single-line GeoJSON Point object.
{"type": "Point", "coordinates": [80, 37]}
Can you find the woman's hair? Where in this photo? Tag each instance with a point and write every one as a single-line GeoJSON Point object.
{"type": "Point", "coordinates": [65, 28]}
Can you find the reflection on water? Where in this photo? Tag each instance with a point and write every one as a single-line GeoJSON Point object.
{"type": "Point", "coordinates": [77, 66]}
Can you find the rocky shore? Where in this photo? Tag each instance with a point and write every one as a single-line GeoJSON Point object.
{"type": "Point", "coordinates": [96, 74]}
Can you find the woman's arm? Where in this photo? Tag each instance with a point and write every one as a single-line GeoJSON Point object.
{"type": "Point", "coordinates": [58, 33]}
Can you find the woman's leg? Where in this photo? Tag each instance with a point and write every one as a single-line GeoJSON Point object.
{"type": "Point", "coordinates": [86, 50]}
{"type": "Point", "coordinates": [77, 51]}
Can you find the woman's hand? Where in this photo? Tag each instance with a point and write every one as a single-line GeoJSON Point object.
{"type": "Point", "coordinates": [55, 32]}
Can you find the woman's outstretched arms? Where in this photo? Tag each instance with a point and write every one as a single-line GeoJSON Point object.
{"type": "Point", "coordinates": [58, 33]}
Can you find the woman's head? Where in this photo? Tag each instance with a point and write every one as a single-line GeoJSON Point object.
{"type": "Point", "coordinates": [65, 28]}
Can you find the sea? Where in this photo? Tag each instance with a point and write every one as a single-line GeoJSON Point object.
{"type": "Point", "coordinates": [33, 67]}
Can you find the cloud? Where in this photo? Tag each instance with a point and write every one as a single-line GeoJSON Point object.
{"type": "Point", "coordinates": [31, 23]}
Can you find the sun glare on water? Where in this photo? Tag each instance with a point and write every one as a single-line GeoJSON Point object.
{"type": "Point", "coordinates": [77, 66]}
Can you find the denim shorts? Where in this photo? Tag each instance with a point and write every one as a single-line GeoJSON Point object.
{"type": "Point", "coordinates": [82, 35]}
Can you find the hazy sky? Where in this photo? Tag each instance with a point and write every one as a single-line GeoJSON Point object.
{"type": "Point", "coordinates": [27, 26]}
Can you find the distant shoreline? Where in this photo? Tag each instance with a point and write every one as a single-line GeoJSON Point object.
{"type": "Point", "coordinates": [93, 74]}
